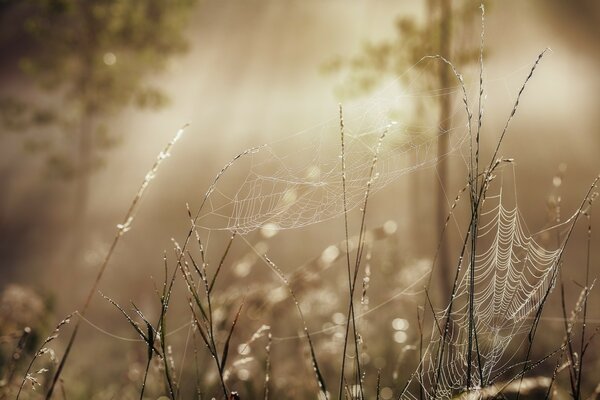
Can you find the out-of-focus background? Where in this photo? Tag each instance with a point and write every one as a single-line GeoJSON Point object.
{"type": "Point", "coordinates": [92, 91]}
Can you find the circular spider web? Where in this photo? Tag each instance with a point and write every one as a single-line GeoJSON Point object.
{"type": "Point", "coordinates": [513, 272]}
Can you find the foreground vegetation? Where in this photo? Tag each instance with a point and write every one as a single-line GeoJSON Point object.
{"type": "Point", "coordinates": [473, 346]}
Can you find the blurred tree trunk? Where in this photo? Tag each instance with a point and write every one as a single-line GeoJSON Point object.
{"type": "Point", "coordinates": [441, 208]}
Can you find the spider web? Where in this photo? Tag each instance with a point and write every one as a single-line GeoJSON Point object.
{"type": "Point", "coordinates": [513, 272]}
{"type": "Point", "coordinates": [297, 181]}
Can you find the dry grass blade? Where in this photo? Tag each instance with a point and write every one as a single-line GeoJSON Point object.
{"type": "Point", "coordinates": [212, 282]}
{"type": "Point", "coordinates": [43, 350]}
{"type": "Point", "coordinates": [226, 346]}
{"type": "Point", "coordinates": [122, 228]}
{"type": "Point", "coordinates": [347, 236]}
{"type": "Point", "coordinates": [556, 269]}
{"type": "Point", "coordinates": [568, 340]}
{"type": "Point", "coordinates": [205, 324]}
{"type": "Point", "coordinates": [378, 391]}
{"type": "Point", "coordinates": [515, 107]}
{"type": "Point", "coordinates": [149, 337]}
{"type": "Point", "coordinates": [268, 367]}
{"type": "Point", "coordinates": [201, 329]}
{"type": "Point", "coordinates": [162, 329]}
{"type": "Point", "coordinates": [352, 277]}
{"type": "Point", "coordinates": [192, 287]}
{"type": "Point", "coordinates": [583, 346]}
{"type": "Point", "coordinates": [211, 189]}
{"type": "Point", "coordinates": [475, 202]}
{"type": "Point", "coordinates": [151, 334]}
{"type": "Point", "coordinates": [181, 250]}
{"type": "Point", "coordinates": [134, 324]}
{"type": "Point", "coordinates": [313, 355]}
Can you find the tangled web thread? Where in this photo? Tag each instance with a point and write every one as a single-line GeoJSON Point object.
{"type": "Point", "coordinates": [297, 181]}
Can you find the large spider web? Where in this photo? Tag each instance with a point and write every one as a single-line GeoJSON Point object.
{"type": "Point", "coordinates": [297, 181]}
{"type": "Point", "coordinates": [513, 272]}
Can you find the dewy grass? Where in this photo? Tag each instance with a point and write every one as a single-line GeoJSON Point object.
{"type": "Point", "coordinates": [352, 276]}
{"type": "Point", "coordinates": [43, 349]}
{"type": "Point", "coordinates": [122, 228]}
{"type": "Point", "coordinates": [538, 314]}
{"type": "Point", "coordinates": [471, 237]}
{"type": "Point", "coordinates": [319, 375]}
{"type": "Point", "coordinates": [217, 335]}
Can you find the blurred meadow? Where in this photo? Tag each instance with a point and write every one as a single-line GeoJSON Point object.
{"type": "Point", "coordinates": [320, 216]}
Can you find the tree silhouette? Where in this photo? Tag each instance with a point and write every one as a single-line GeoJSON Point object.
{"type": "Point", "coordinates": [89, 60]}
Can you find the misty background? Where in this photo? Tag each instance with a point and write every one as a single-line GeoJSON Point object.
{"type": "Point", "coordinates": [255, 72]}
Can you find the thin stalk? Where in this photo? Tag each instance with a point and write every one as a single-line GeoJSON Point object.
{"type": "Point", "coordinates": [350, 314]}
{"type": "Point", "coordinates": [585, 303]}
{"type": "Point", "coordinates": [484, 186]}
{"type": "Point", "coordinates": [210, 344]}
{"type": "Point", "coordinates": [42, 350]}
{"type": "Point", "coordinates": [420, 326]}
{"type": "Point", "coordinates": [212, 282]}
{"type": "Point", "coordinates": [194, 220]}
{"type": "Point", "coordinates": [352, 277]}
{"type": "Point", "coordinates": [317, 370]}
{"type": "Point", "coordinates": [474, 220]}
{"type": "Point", "coordinates": [121, 230]}
{"type": "Point", "coordinates": [378, 392]}
{"type": "Point", "coordinates": [207, 334]}
{"type": "Point", "coordinates": [267, 367]}
{"type": "Point", "coordinates": [538, 314]}
{"type": "Point", "coordinates": [568, 329]}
